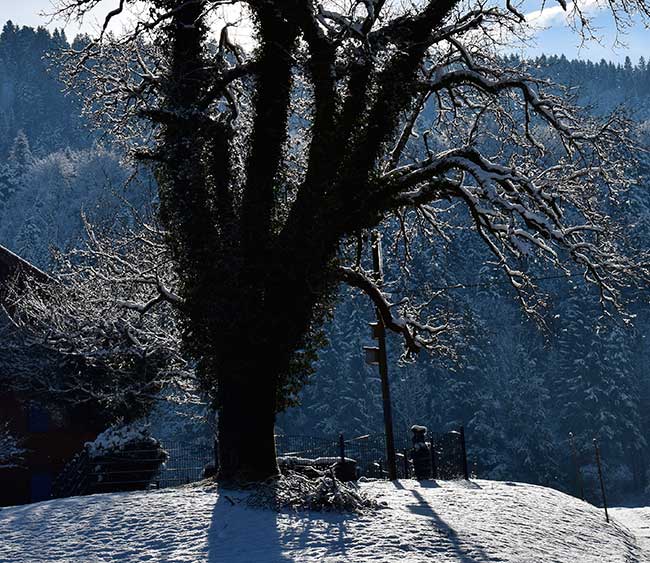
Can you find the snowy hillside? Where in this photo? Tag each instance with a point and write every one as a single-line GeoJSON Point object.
{"type": "Point", "coordinates": [637, 519]}
{"type": "Point", "coordinates": [444, 522]}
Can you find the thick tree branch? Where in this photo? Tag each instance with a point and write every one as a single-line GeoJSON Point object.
{"type": "Point", "coordinates": [406, 327]}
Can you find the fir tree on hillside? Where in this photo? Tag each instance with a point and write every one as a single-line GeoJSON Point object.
{"type": "Point", "coordinates": [31, 97]}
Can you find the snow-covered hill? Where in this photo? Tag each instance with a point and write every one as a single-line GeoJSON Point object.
{"type": "Point", "coordinates": [441, 522]}
{"type": "Point", "coordinates": [637, 519]}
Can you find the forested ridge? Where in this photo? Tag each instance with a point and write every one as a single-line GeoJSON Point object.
{"type": "Point", "coordinates": [516, 389]}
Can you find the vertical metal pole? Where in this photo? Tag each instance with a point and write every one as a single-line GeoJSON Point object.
{"type": "Point", "coordinates": [464, 453]}
{"type": "Point", "coordinates": [215, 441]}
{"type": "Point", "coordinates": [342, 447]}
{"type": "Point", "coordinates": [600, 476]}
{"type": "Point", "coordinates": [580, 491]}
{"type": "Point", "coordinates": [434, 463]}
{"type": "Point", "coordinates": [383, 364]}
{"type": "Point", "coordinates": [406, 464]}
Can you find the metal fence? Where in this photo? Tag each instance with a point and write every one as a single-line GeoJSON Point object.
{"type": "Point", "coordinates": [450, 455]}
{"type": "Point", "coordinates": [369, 451]}
{"type": "Point", "coordinates": [186, 463]}
{"type": "Point", "coordinates": [173, 463]}
{"type": "Point", "coordinates": [177, 463]}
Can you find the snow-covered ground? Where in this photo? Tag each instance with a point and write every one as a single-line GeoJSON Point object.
{"type": "Point", "coordinates": [441, 522]}
{"type": "Point", "coordinates": [637, 520]}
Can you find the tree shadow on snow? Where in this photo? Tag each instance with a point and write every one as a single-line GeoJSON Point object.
{"type": "Point", "coordinates": [241, 533]}
{"type": "Point", "coordinates": [428, 484]}
{"type": "Point", "coordinates": [319, 529]}
{"type": "Point", "coordinates": [463, 550]}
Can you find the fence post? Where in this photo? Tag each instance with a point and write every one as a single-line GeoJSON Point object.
{"type": "Point", "coordinates": [434, 463]}
{"type": "Point", "coordinates": [342, 447]}
{"type": "Point", "coordinates": [600, 476]}
{"type": "Point", "coordinates": [464, 453]}
{"type": "Point", "coordinates": [406, 464]}
{"type": "Point", "coordinates": [580, 491]}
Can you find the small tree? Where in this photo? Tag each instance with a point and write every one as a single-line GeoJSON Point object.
{"type": "Point", "coordinates": [20, 156]}
{"type": "Point", "coordinates": [273, 162]}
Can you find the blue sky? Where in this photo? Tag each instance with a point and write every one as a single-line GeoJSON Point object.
{"type": "Point", "coordinates": [555, 40]}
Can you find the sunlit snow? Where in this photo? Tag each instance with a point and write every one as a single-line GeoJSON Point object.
{"type": "Point", "coordinates": [441, 522]}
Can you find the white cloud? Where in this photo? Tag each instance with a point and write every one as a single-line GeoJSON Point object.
{"type": "Point", "coordinates": [557, 15]}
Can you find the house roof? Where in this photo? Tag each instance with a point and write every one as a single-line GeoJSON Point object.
{"type": "Point", "coordinates": [12, 265]}
{"type": "Point", "coordinates": [13, 268]}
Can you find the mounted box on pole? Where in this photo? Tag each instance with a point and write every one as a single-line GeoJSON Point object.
{"type": "Point", "coordinates": [375, 330]}
{"type": "Point", "coordinates": [372, 355]}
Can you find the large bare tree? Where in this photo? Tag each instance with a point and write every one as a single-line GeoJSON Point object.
{"type": "Point", "coordinates": [273, 159]}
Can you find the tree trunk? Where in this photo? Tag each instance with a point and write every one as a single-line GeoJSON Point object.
{"type": "Point", "coordinates": [246, 427]}
{"type": "Point", "coordinates": [253, 366]}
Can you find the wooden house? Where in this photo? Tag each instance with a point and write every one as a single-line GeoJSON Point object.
{"type": "Point", "coordinates": [51, 434]}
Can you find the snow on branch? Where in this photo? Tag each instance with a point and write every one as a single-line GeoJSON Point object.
{"type": "Point", "coordinates": [271, 159]}
{"type": "Point", "coordinates": [107, 318]}
{"type": "Point", "coordinates": [535, 173]}
{"type": "Point", "coordinates": [417, 335]}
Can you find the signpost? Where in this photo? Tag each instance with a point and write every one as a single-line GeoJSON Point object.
{"type": "Point", "coordinates": [376, 355]}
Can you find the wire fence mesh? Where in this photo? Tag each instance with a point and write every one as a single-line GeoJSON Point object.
{"type": "Point", "coordinates": [186, 463]}
{"type": "Point", "coordinates": [168, 464]}
{"type": "Point", "coordinates": [173, 463]}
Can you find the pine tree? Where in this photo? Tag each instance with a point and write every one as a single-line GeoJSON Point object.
{"type": "Point", "coordinates": [598, 392]}
{"type": "Point", "coordinates": [20, 156]}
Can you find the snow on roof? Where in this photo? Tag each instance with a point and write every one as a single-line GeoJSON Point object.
{"type": "Point", "coordinates": [11, 265]}
{"type": "Point", "coordinates": [14, 267]}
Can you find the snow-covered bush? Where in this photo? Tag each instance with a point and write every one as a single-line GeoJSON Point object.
{"type": "Point", "coordinates": [119, 437]}
{"type": "Point", "coordinates": [125, 457]}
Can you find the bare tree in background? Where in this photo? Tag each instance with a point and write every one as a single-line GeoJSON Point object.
{"type": "Point", "coordinates": [103, 330]}
{"type": "Point", "coordinates": [274, 160]}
